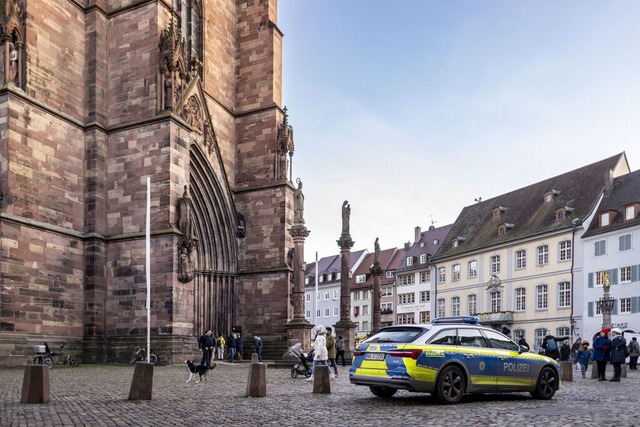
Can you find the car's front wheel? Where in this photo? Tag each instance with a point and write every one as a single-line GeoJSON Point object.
{"type": "Point", "coordinates": [383, 391]}
{"type": "Point", "coordinates": [547, 384]}
{"type": "Point", "coordinates": [451, 385]}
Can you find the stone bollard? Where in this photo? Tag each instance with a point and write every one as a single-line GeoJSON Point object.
{"type": "Point", "coordinates": [321, 383]}
{"type": "Point", "coordinates": [35, 385]}
{"type": "Point", "coordinates": [567, 368]}
{"type": "Point", "coordinates": [257, 382]}
{"type": "Point", "coordinates": [142, 383]}
{"type": "Point", "coordinates": [594, 370]}
{"type": "Point", "coordinates": [623, 372]}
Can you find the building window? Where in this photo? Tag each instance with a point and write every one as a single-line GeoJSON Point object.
{"type": "Point", "coordinates": [425, 276]}
{"type": "Point", "coordinates": [564, 294]}
{"type": "Point", "coordinates": [336, 311]}
{"type": "Point", "coordinates": [327, 296]}
{"type": "Point", "coordinates": [442, 274]}
{"type": "Point", "coordinates": [625, 274]}
{"type": "Point", "coordinates": [625, 305]}
{"type": "Point", "coordinates": [388, 274]}
{"type": "Point", "coordinates": [336, 293]}
{"type": "Point", "coordinates": [495, 264]}
{"type": "Point", "coordinates": [318, 296]}
{"type": "Point", "coordinates": [472, 304]}
{"type": "Point", "coordinates": [455, 272]}
{"type": "Point", "coordinates": [318, 313]}
{"type": "Point", "coordinates": [543, 255]}
{"type": "Point", "coordinates": [542, 297]}
{"type": "Point", "coordinates": [604, 219]}
{"type": "Point", "coordinates": [308, 297]}
{"type": "Point", "coordinates": [308, 314]}
{"type": "Point", "coordinates": [306, 280]}
{"type": "Point", "coordinates": [365, 294]}
{"type": "Point", "coordinates": [408, 298]}
{"type": "Point", "coordinates": [407, 279]}
{"type": "Point", "coordinates": [455, 306]}
{"type": "Point", "coordinates": [473, 269]}
{"type": "Point", "coordinates": [365, 326]}
{"type": "Point", "coordinates": [540, 333]}
{"type": "Point", "coordinates": [423, 258]}
{"type": "Point", "coordinates": [356, 295]}
{"type": "Point", "coordinates": [425, 296]}
{"type": "Point", "coordinates": [562, 331]}
{"type": "Point", "coordinates": [600, 248]}
{"type": "Point", "coordinates": [517, 333]}
{"type": "Point", "coordinates": [327, 312]}
{"type": "Point", "coordinates": [521, 299]}
{"type": "Point", "coordinates": [365, 310]}
{"type": "Point", "coordinates": [425, 316]}
{"type": "Point", "coordinates": [191, 27]}
{"type": "Point", "coordinates": [321, 279]}
{"type": "Point", "coordinates": [624, 243]}
{"type": "Point", "coordinates": [629, 213]}
{"type": "Point", "coordinates": [565, 250]}
{"type": "Point", "coordinates": [409, 261]}
{"type": "Point", "coordinates": [387, 291]}
{"type": "Point", "coordinates": [600, 278]}
{"type": "Point", "coordinates": [361, 278]}
{"type": "Point", "coordinates": [329, 277]}
{"type": "Point", "coordinates": [521, 259]}
{"type": "Point", "coordinates": [440, 307]}
{"type": "Point", "coordinates": [405, 318]}
{"type": "Point", "coordinates": [338, 276]}
{"type": "Point", "coordinates": [496, 302]}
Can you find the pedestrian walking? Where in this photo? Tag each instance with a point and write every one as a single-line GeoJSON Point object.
{"type": "Point", "coordinates": [634, 352]}
{"type": "Point", "coordinates": [205, 343]}
{"type": "Point", "coordinates": [231, 343]}
{"type": "Point", "coordinates": [601, 348]}
{"type": "Point", "coordinates": [320, 353]}
{"type": "Point", "coordinates": [618, 347]}
{"type": "Point", "coordinates": [550, 346]}
{"type": "Point", "coordinates": [340, 350]}
{"type": "Point", "coordinates": [565, 351]}
{"type": "Point", "coordinates": [239, 346]}
{"type": "Point", "coordinates": [331, 351]}
{"type": "Point", "coordinates": [258, 345]}
{"type": "Point", "coordinates": [583, 357]}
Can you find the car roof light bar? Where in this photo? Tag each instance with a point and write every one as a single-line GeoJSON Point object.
{"type": "Point", "coordinates": [471, 320]}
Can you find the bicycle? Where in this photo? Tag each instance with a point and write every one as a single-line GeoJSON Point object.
{"type": "Point", "coordinates": [140, 355]}
{"type": "Point", "coordinates": [46, 357]}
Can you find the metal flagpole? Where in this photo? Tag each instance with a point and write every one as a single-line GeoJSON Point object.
{"type": "Point", "coordinates": [148, 268]}
{"type": "Point", "coordinates": [315, 297]}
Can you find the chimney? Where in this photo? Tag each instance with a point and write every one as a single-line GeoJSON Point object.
{"type": "Point", "coordinates": [418, 234]}
{"type": "Point", "coordinates": [608, 181]}
{"type": "Point", "coordinates": [407, 245]}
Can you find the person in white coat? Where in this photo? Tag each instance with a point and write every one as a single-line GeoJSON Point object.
{"type": "Point", "coordinates": [320, 355]}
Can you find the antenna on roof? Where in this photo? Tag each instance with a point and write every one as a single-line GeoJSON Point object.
{"type": "Point", "coordinates": [477, 199]}
{"type": "Point", "coordinates": [432, 221]}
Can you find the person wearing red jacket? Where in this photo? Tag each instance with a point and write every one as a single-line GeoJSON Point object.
{"type": "Point", "coordinates": [601, 350]}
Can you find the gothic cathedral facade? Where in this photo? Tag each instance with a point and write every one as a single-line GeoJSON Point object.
{"type": "Point", "coordinates": [96, 96]}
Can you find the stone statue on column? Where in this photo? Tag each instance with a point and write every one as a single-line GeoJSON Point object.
{"type": "Point", "coordinates": [376, 272]}
{"type": "Point", "coordinates": [345, 327]}
{"type": "Point", "coordinates": [298, 204]}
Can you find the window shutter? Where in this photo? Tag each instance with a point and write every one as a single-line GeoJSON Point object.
{"type": "Point", "coordinates": [613, 276]}
{"type": "Point", "coordinates": [590, 280]}
{"type": "Point", "coordinates": [590, 309]}
{"type": "Point", "coordinates": [635, 304]}
{"type": "Point", "coordinates": [634, 272]}
{"type": "Point", "coordinates": [615, 306]}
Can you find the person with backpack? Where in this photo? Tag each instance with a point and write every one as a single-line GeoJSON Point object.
{"type": "Point", "coordinates": [634, 352]}
{"type": "Point", "coordinates": [601, 350]}
{"type": "Point", "coordinates": [583, 357]}
{"type": "Point", "coordinates": [550, 346]}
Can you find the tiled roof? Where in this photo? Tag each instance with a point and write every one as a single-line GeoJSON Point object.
{"type": "Point", "coordinates": [625, 191]}
{"type": "Point", "coordinates": [523, 213]}
{"type": "Point", "coordinates": [429, 243]}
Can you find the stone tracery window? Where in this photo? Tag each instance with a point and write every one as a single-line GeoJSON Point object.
{"type": "Point", "coordinates": [190, 25]}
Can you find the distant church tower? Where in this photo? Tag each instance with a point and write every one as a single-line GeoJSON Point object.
{"type": "Point", "coordinates": [94, 98]}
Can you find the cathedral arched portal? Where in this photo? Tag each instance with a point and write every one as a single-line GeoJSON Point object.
{"type": "Point", "coordinates": [215, 248]}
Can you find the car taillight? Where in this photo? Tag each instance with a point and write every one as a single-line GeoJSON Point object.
{"type": "Point", "coordinates": [413, 354]}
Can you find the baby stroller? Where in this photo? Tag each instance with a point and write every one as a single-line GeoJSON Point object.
{"type": "Point", "coordinates": [302, 367]}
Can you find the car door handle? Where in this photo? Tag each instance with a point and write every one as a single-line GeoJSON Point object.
{"type": "Point", "coordinates": [502, 358]}
{"type": "Point", "coordinates": [468, 356]}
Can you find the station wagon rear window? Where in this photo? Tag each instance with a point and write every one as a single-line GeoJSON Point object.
{"type": "Point", "coordinates": [398, 335]}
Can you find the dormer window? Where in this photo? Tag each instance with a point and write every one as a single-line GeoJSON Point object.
{"type": "Point", "coordinates": [550, 195]}
{"type": "Point", "coordinates": [422, 244]}
{"type": "Point", "coordinates": [499, 211]}
{"type": "Point", "coordinates": [455, 243]}
{"type": "Point", "coordinates": [423, 258]}
{"type": "Point", "coordinates": [502, 230]}
{"type": "Point", "coordinates": [436, 241]}
{"type": "Point", "coordinates": [629, 212]}
{"type": "Point", "coordinates": [560, 214]}
{"type": "Point", "coordinates": [604, 219]}
{"type": "Point", "coordinates": [409, 261]}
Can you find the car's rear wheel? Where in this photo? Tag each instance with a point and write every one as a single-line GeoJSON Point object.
{"type": "Point", "coordinates": [451, 385]}
{"type": "Point", "coordinates": [547, 384]}
{"type": "Point", "coordinates": [383, 391]}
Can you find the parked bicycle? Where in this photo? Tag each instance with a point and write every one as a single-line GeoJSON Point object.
{"type": "Point", "coordinates": [140, 355]}
{"type": "Point", "coordinates": [44, 356]}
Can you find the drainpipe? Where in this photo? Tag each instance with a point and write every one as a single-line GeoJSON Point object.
{"type": "Point", "coordinates": [574, 224]}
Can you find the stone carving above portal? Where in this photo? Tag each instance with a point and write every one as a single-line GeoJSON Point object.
{"type": "Point", "coordinates": [12, 24]}
{"type": "Point", "coordinates": [192, 113]}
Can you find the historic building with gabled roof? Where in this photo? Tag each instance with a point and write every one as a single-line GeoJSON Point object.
{"type": "Point", "coordinates": [510, 259]}
{"type": "Point", "coordinates": [610, 247]}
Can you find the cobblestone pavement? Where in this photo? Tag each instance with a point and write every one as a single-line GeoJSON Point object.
{"type": "Point", "coordinates": [96, 395]}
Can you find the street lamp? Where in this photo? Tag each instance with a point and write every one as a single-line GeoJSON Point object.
{"type": "Point", "coordinates": [574, 224]}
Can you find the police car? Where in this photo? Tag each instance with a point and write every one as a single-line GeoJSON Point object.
{"type": "Point", "coordinates": [449, 358]}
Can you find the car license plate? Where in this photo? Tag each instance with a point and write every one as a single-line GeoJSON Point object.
{"type": "Point", "coordinates": [374, 356]}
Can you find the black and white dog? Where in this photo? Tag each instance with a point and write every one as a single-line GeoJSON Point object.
{"type": "Point", "coordinates": [201, 370]}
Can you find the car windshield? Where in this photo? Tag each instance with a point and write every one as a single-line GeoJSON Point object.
{"type": "Point", "coordinates": [398, 335]}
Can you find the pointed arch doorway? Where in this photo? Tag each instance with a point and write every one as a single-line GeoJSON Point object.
{"type": "Point", "coordinates": [215, 253]}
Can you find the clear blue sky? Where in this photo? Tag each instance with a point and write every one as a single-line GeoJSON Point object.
{"type": "Point", "coordinates": [411, 109]}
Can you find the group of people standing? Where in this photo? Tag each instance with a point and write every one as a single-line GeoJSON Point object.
{"type": "Point", "coordinates": [213, 347]}
{"type": "Point", "coordinates": [327, 350]}
{"type": "Point", "coordinates": [612, 350]}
